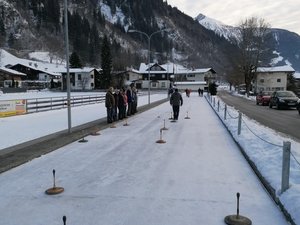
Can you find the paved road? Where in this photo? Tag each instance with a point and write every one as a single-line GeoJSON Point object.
{"type": "Point", "coordinates": [285, 121]}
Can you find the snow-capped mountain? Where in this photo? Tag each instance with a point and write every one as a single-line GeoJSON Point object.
{"type": "Point", "coordinates": [229, 32]}
{"type": "Point", "coordinates": [286, 44]}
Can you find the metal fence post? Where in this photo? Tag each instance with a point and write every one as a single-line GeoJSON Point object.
{"type": "Point", "coordinates": [225, 112]}
{"type": "Point", "coordinates": [218, 105]}
{"type": "Point", "coordinates": [214, 101]}
{"type": "Point", "coordinates": [239, 123]}
{"type": "Point", "coordinates": [285, 166]}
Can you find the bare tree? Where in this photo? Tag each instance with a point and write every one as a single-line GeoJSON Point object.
{"type": "Point", "coordinates": [252, 43]}
{"type": "Point", "coordinates": [83, 81]}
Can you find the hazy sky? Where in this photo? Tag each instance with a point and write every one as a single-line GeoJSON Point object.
{"type": "Point", "coordinates": [283, 14]}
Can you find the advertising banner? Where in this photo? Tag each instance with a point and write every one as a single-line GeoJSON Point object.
{"type": "Point", "coordinates": [12, 107]}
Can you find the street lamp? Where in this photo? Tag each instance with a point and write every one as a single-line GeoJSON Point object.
{"type": "Point", "coordinates": [149, 39]}
{"type": "Point", "coordinates": [67, 65]}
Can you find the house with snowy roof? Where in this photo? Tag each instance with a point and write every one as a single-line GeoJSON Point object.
{"type": "Point", "coordinates": [10, 78]}
{"type": "Point", "coordinates": [271, 78]}
{"type": "Point", "coordinates": [193, 79]}
{"type": "Point", "coordinates": [80, 78]}
{"type": "Point", "coordinates": [38, 76]}
{"type": "Point", "coordinates": [166, 75]}
{"type": "Point", "coordinates": [159, 75]}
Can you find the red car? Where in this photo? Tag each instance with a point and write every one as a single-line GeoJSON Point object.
{"type": "Point", "coordinates": [263, 98]}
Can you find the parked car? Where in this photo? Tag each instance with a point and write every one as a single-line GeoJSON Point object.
{"type": "Point", "coordinates": [283, 99]}
{"type": "Point", "coordinates": [263, 98]}
{"type": "Point", "coordinates": [298, 106]}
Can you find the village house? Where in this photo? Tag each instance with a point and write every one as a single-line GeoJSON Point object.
{"type": "Point", "coordinates": [10, 78]}
{"type": "Point", "coordinates": [159, 75]}
{"type": "Point", "coordinates": [271, 78]}
{"type": "Point", "coordinates": [37, 76]}
{"type": "Point", "coordinates": [80, 78]}
{"type": "Point", "coordinates": [127, 77]}
{"type": "Point", "coordinates": [193, 79]}
{"type": "Point", "coordinates": [167, 75]}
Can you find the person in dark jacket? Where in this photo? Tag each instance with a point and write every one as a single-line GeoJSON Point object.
{"type": "Point", "coordinates": [121, 104]}
{"type": "Point", "coordinates": [176, 101]}
{"type": "Point", "coordinates": [129, 100]}
{"type": "Point", "coordinates": [110, 104]}
{"type": "Point", "coordinates": [134, 101]}
{"type": "Point", "coordinates": [116, 96]}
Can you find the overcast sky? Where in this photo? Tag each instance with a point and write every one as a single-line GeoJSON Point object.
{"type": "Point", "coordinates": [283, 14]}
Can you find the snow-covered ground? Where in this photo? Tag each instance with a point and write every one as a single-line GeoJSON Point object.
{"type": "Point", "coordinates": [124, 177]}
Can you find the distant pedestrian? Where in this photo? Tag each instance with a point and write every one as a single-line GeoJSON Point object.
{"type": "Point", "coordinates": [199, 91]}
{"type": "Point", "coordinates": [110, 104]}
{"type": "Point", "coordinates": [176, 101]}
{"type": "Point", "coordinates": [187, 92]}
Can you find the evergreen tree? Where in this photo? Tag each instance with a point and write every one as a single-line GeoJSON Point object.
{"type": "Point", "coordinates": [75, 61]}
{"type": "Point", "coordinates": [2, 28]}
{"type": "Point", "coordinates": [52, 13]}
{"type": "Point", "coordinates": [106, 63]}
{"type": "Point", "coordinates": [94, 46]}
{"type": "Point", "coordinates": [11, 40]}
{"type": "Point", "coordinates": [212, 88]}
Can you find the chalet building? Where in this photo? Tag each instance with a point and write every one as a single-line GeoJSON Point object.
{"type": "Point", "coordinates": [37, 77]}
{"type": "Point", "coordinates": [193, 79]}
{"type": "Point", "coordinates": [10, 78]}
{"type": "Point", "coordinates": [159, 75]}
{"type": "Point", "coordinates": [166, 75]}
{"type": "Point", "coordinates": [271, 78]}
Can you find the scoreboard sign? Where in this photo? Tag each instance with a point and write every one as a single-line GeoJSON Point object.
{"type": "Point", "coordinates": [12, 107]}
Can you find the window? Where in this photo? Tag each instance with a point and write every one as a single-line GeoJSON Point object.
{"type": "Point", "coordinates": [262, 80]}
{"type": "Point", "coordinates": [163, 84]}
{"type": "Point", "coordinates": [79, 77]}
{"type": "Point", "coordinates": [72, 79]}
{"type": "Point", "coordinates": [278, 80]}
{"type": "Point", "coordinates": [92, 76]}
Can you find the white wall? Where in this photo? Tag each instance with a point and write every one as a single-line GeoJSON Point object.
{"type": "Point", "coordinates": [271, 81]}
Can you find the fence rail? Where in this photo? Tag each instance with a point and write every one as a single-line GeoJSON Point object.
{"type": "Point", "coordinates": [43, 104]}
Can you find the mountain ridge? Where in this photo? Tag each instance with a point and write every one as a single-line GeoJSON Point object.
{"type": "Point", "coordinates": [188, 42]}
{"type": "Point", "coordinates": [286, 43]}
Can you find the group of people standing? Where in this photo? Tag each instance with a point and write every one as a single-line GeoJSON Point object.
{"type": "Point", "coordinates": [123, 103]}
{"type": "Point", "coordinates": [120, 103]}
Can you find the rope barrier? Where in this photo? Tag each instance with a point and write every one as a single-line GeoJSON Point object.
{"type": "Point", "coordinates": [232, 117]}
{"type": "Point", "coordinates": [260, 137]}
{"type": "Point", "coordinates": [295, 158]}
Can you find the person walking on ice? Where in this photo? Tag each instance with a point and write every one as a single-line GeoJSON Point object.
{"type": "Point", "coordinates": [176, 101]}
